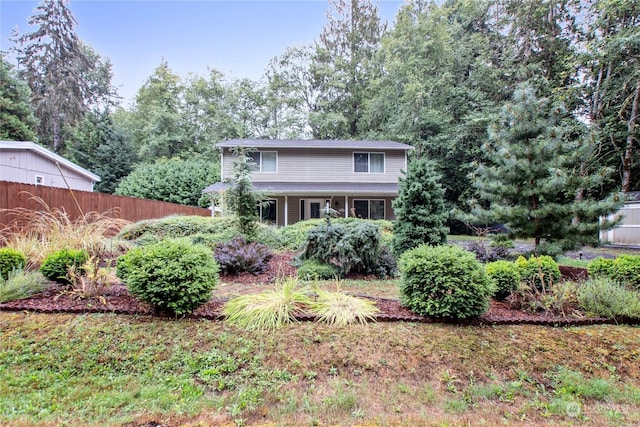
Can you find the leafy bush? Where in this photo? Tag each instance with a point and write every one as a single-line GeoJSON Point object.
{"type": "Point", "coordinates": [505, 277]}
{"type": "Point", "coordinates": [238, 256]}
{"type": "Point", "coordinates": [626, 270]}
{"type": "Point", "coordinates": [605, 297]}
{"type": "Point", "coordinates": [173, 180]}
{"type": "Point", "coordinates": [352, 247]}
{"type": "Point", "coordinates": [177, 226]}
{"type": "Point", "coordinates": [444, 281]}
{"type": "Point", "coordinates": [600, 267]}
{"type": "Point", "coordinates": [21, 284]}
{"type": "Point", "coordinates": [538, 272]}
{"type": "Point", "coordinates": [10, 259]}
{"type": "Point", "coordinates": [312, 269]}
{"type": "Point", "coordinates": [557, 299]}
{"type": "Point", "coordinates": [387, 264]}
{"type": "Point", "coordinates": [488, 252]}
{"type": "Point", "coordinates": [174, 275]}
{"type": "Point", "coordinates": [56, 266]}
{"type": "Point", "coordinates": [267, 310]}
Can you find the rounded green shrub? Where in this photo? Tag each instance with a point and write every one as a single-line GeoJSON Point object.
{"type": "Point", "coordinates": [173, 276]}
{"type": "Point", "coordinates": [538, 272]}
{"type": "Point", "coordinates": [56, 266]}
{"type": "Point", "coordinates": [600, 267]}
{"type": "Point", "coordinates": [505, 278]}
{"type": "Point", "coordinates": [626, 270]}
{"type": "Point", "coordinates": [10, 259]}
{"type": "Point", "coordinates": [444, 281]}
{"type": "Point", "coordinates": [312, 269]}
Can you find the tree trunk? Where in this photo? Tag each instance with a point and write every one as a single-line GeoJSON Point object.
{"type": "Point", "coordinates": [627, 161]}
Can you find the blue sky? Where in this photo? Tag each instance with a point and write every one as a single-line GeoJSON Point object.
{"type": "Point", "coordinates": [238, 38]}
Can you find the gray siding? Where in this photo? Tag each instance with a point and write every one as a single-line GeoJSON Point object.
{"type": "Point", "coordinates": [322, 165]}
{"type": "Point", "coordinates": [23, 166]}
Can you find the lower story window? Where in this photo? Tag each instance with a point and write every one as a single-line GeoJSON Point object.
{"type": "Point", "coordinates": [369, 209]}
{"type": "Point", "coordinates": [268, 211]}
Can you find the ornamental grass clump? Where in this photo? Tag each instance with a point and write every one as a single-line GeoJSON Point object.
{"type": "Point", "coordinates": [174, 276]}
{"type": "Point", "coordinates": [444, 281]}
{"type": "Point", "coordinates": [21, 284]}
{"type": "Point", "coordinates": [268, 310]}
{"type": "Point", "coordinates": [340, 309]}
{"type": "Point", "coordinates": [39, 232]}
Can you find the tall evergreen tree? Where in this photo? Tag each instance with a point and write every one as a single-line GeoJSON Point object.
{"type": "Point", "coordinates": [534, 182]}
{"type": "Point", "coordinates": [613, 88]}
{"type": "Point", "coordinates": [160, 131]}
{"type": "Point", "coordinates": [344, 65]}
{"type": "Point", "coordinates": [241, 197]}
{"type": "Point", "coordinates": [53, 63]}
{"type": "Point", "coordinates": [419, 208]}
{"type": "Point", "coordinates": [17, 122]}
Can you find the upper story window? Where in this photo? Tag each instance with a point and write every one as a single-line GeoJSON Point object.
{"type": "Point", "coordinates": [368, 162]}
{"type": "Point", "coordinates": [265, 161]}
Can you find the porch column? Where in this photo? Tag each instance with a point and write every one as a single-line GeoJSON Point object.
{"type": "Point", "coordinates": [346, 206]}
{"type": "Point", "coordinates": [286, 210]}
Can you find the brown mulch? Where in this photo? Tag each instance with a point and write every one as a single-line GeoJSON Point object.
{"type": "Point", "coordinates": [117, 300]}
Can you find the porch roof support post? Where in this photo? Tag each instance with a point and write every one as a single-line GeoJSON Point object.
{"type": "Point", "coordinates": [286, 210]}
{"type": "Point", "coordinates": [346, 206]}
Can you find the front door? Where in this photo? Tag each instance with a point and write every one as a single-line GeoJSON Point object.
{"type": "Point", "coordinates": [315, 207]}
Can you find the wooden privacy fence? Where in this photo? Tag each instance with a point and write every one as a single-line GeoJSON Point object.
{"type": "Point", "coordinates": [18, 195]}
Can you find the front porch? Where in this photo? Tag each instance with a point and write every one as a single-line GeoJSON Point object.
{"type": "Point", "coordinates": [298, 202]}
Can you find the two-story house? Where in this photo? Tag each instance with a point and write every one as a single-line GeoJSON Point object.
{"type": "Point", "coordinates": [303, 177]}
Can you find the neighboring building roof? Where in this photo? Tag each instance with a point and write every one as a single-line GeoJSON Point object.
{"type": "Point", "coordinates": [314, 143]}
{"type": "Point", "coordinates": [32, 146]}
{"type": "Point", "coordinates": [328, 188]}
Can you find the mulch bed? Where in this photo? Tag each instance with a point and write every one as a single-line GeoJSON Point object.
{"type": "Point", "coordinates": [117, 300]}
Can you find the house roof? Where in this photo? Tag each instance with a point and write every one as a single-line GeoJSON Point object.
{"type": "Point", "coordinates": [314, 143]}
{"type": "Point", "coordinates": [55, 158]}
{"type": "Point", "coordinates": [324, 188]}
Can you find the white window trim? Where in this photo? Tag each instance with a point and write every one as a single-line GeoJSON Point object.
{"type": "Point", "coordinates": [260, 208]}
{"type": "Point", "coordinates": [384, 206]}
{"type": "Point", "coordinates": [259, 170]}
{"type": "Point", "coordinates": [369, 153]}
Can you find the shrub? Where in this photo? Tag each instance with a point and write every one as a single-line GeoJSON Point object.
{"type": "Point", "coordinates": [312, 269]}
{"type": "Point", "coordinates": [387, 264]}
{"type": "Point", "coordinates": [174, 275]}
{"type": "Point", "coordinates": [56, 266]}
{"type": "Point", "coordinates": [538, 272]}
{"type": "Point", "coordinates": [603, 296]}
{"type": "Point", "coordinates": [444, 281]}
{"type": "Point", "coordinates": [352, 247]}
{"type": "Point", "coordinates": [177, 226]}
{"type": "Point", "coordinates": [488, 252]}
{"type": "Point", "coordinates": [238, 256]}
{"type": "Point", "coordinates": [626, 270]}
{"type": "Point", "coordinates": [505, 277]}
{"type": "Point", "coordinates": [20, 284]}
{"type": "Point", "coordinates": [10, 259]}
{"type": "Point", "coordinates": [601, 267]}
